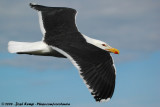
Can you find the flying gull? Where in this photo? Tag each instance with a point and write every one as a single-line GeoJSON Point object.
{"type": "Point", "coordinates": [62, 39]}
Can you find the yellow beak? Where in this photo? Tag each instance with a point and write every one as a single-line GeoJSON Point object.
{"type": "Point", "coordinates": [113, 50]}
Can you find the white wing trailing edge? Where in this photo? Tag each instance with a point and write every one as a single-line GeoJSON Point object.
{"type": "Point", "coordinates": [41, 23]}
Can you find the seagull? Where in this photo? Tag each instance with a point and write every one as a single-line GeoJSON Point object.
{"type": "Point", "coordinates": [62, 39]}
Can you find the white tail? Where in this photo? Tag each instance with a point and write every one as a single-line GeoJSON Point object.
{"type": "Point", "coordinates": [28, 48]}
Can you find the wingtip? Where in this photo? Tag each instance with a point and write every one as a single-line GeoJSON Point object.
{"type": "Point", "coordinates": [103, 100]}
{"type": "Point", "coordinates": [32, 5]}
{"type": "Point", "coordinates": [37, 7]}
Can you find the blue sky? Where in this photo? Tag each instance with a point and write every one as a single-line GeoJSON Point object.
{"type": "Point", "coordinates": [132, 26]}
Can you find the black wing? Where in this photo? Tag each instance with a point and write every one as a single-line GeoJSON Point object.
{"type": "Point", "coordinates": [95, 65]}
{"type": "Point", "coordinates": [56, 20]}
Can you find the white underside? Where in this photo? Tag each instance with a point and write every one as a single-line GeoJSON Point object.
{"type": "Point", "coordinates": [29, 48]}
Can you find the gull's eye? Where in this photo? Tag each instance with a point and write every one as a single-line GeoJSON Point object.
{"type": "Point", "coordinates": [103, 44]}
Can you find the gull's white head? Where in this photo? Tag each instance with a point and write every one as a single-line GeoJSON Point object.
{"type": "Point", "coordinates": [105, 46]}
{"type": "Point", "coordinates": [101, 44]}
